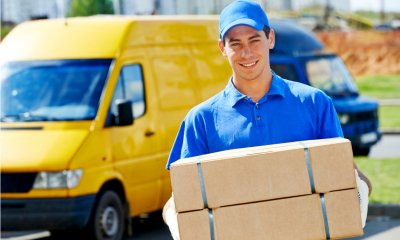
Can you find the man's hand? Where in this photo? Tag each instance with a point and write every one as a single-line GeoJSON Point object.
{"type": "Point", "coordinates": [170, 218]}
{"type": "Point", "coordinates": [165, 209]}
{"type": "Point", "coordinates": [364, 178]}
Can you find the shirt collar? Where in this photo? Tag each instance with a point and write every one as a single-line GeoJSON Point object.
{"type": "Point", "coordinates": [277, 88]}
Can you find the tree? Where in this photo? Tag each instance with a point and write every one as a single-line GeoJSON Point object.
{"type": "Point", "coordinates": [90, 7]}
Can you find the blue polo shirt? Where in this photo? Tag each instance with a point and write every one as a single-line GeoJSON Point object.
{"type": "Point", "coordinates": [289, 112]}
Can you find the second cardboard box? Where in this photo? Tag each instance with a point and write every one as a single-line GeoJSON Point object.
{"type": "Point", "coordinates": [332, 215]}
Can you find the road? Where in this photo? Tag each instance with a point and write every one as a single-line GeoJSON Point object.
{"type": "Point", "coordinates": [387, 147]}
{"type": "Point", "coordinates": [376, 229]}
{"type": "Point", "coordinates": [381, 229]}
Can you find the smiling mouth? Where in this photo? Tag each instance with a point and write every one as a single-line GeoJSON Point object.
{"type": "Point", "coordinates": [249, 64]}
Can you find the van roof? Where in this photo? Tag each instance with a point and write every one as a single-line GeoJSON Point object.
{"type": "Point", "coordinates": [102, 36]}
{"type": "Point", "coordinates": [293, 38]}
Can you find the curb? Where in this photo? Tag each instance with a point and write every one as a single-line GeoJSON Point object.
{"type": "Point", "coordinates": [390, 131]}
{"type": "Point", "coordinates": [390, 210]}
{"type": "Point", "coordinates": [388, 102]}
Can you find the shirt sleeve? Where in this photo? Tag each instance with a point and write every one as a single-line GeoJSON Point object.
{"type": "Point", "coordinates": [328, 121]}
{"type": "Point", "coordinates": [191, 139]}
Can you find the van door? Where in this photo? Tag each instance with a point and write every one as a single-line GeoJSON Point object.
{"type": "Point", "coordinates": [135, 147]}
{"type": "Point", "coordinates": [173, 71]}
{"type": "Point", "coordinates": [177, 93]}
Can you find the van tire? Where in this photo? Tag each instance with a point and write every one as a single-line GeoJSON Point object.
{"type": "Point", "coordinates": [108, 217]}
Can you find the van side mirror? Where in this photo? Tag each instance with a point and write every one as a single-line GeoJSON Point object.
{"type": "Point", "coordinates": [125, 113]}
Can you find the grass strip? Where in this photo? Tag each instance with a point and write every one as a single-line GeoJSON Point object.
{"type": "Point", "coordinates": [379, 86]}
{"type": "Point", "coordinates": [384, 175]}
{"type": "Point", "coordinates": [389, 116]}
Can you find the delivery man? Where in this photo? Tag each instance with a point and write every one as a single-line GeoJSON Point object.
{"type": "Point", "coordinates": [257, 107]}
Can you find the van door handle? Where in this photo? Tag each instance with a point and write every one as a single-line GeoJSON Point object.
{"type": "Point", "coordinates": [149, 133]}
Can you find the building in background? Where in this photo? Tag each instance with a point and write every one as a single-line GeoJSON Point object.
{"type": "Point", "coordinates": [17, 11]}
{"type": "Point", "coordinates": [137, 7]}
{"type": "Point", "coordinates": [340, 5]}
{"type": "Point", "coordinates": [216, 6]}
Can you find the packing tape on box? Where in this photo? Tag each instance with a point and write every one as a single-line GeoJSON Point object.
{"type": "Point", "coordinates": [203, 193]}
{"type": "Point", "coordinates": [210, 213]}
{"type": "Point", "coordinates": [322, 198]}
{"type": "Point", "coordinates": [310, 174]}
{"type": "Point", "coordinates": [211, 219]}
{"type": "Point", "coordinates": [324, 214]}
{"type": "Point", "coordinates": [203, 188]}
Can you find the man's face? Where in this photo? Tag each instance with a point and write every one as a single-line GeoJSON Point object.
{"type": "Point", "coordinates": [247, 51]}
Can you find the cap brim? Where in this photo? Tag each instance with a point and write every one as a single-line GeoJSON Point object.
{"type": "Point", "coordinates": [244, 21]}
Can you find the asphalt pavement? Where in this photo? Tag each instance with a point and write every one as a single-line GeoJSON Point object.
{"type": "Point", "coordinates": [379, 228]}
{"type": "Point", "coordinates": [387, 147]}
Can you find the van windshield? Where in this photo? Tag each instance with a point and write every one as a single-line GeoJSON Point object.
{"type": "Point", "coordinates": [52, 90]}
{"type": "Point", "coordinates": [330, 75]}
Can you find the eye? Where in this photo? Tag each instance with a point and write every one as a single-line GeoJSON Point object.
{"type": "Point", "coordinates": [255, 40]}
{"type": "Point", "coordinates": [234, 44]}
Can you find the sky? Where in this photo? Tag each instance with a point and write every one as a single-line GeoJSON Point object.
{"type": "Point", "coordinates": [375, 5]}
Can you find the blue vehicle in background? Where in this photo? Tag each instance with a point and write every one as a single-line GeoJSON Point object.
{"type": "Point", "coordinates": [299, 56]}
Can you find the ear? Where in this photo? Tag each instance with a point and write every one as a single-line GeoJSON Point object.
{"type": "Point", "coordinates": [222, 47]}
{"type": "Point", "coordinates": [271, 39]}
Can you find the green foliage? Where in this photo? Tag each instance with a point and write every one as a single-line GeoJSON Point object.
{"type": "Point", "coordinates": [389, 116]}
{"type": "Point", "coordinates": [384, 176]}
{"type": "Point", "coordinates": [5, 30]}
{"type": "Point", "coordinates": [383, 87]}
{"type": "Point", "coordinates": [369, 14]}
{"type": "Point", "coordinates": [90, 7]}
{"type": "Point", "coordinates": [380, 86]}
{"type": "Point", "coordinates": [376, 16]}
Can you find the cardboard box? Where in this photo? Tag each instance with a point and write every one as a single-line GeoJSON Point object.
{"type": "Point", "coordinates": [290, 218]}
{"type": "Point", "coordinates": [262, 173]}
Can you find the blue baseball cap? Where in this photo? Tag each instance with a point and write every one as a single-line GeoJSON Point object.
{"type": "Point", "coordinates": [242, 12]}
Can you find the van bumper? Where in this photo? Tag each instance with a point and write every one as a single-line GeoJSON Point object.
{"type": "Point", "coordinates": [46, 213]}
{"type": "Point", "coordinates": [359, 142]}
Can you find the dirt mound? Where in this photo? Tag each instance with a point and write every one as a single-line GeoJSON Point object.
{"type": "Point", "coordinates": [366, 52]}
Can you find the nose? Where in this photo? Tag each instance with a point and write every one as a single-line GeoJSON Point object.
{"type": "Point", "coordinates": [246, 51]}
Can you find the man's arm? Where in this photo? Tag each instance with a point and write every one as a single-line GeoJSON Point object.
{"type": "Point", "coordinates": [364, 178]}
{"type": "Point", "coordinates": [191, 139]}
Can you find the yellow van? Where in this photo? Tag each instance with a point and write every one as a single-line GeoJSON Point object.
{"type": "Point", "coordinates": [90, 108]}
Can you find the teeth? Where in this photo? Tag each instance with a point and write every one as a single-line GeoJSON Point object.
{"type": "Point", "coordinates": [249, 65]}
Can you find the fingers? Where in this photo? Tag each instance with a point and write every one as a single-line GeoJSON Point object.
{"type": "Point", "coordinates": [165, 209]}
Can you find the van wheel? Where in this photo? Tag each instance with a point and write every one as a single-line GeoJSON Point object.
{"type": "Point", "coordinates": [108, 217]}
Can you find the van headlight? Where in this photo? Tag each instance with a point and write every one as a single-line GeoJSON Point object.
{"type": "Point", "coordinates": [344, 118]}
{"type": "Point", "coordinates": [63, 179]}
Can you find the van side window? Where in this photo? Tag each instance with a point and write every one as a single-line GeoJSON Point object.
{"type": "Point", "coordinates": [285, 71]}
{"type": "Point", "coordinates": [130, 86]}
